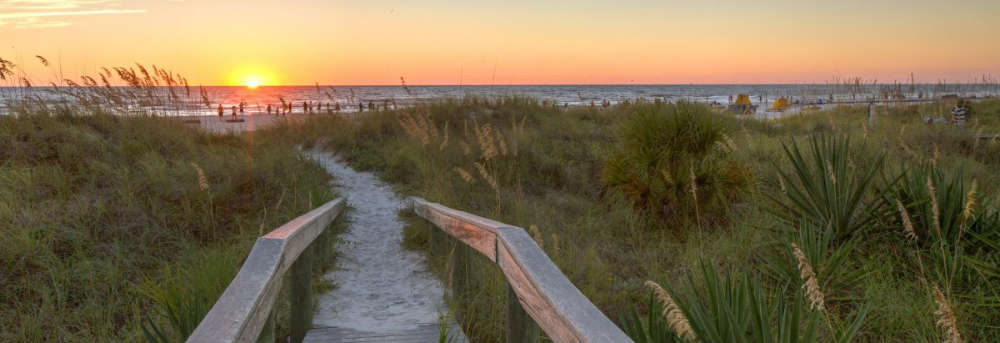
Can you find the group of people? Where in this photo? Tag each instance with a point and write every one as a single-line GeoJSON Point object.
{"type": "Point", "coordinates": [307, 107]}
{"type": "Point", "coordinates": [242, 107]}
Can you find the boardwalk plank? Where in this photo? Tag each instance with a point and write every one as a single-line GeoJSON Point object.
{"type": "Point", "coordinates": [424, 333]}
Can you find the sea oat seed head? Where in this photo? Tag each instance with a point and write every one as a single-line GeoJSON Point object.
{"type": "Point", "coordinates": [970, 202]}
{"type": "Point", "coordinates": [908, 230]}
{"type": "Point", "coordinates": [934, 205]}
{"type": "Point", "coordinates": [946, 317]}
{"type": "Point", "coordinates": [675, 317]}
{"type": "Point", "coordinates": [202, 179]}
{"type": "Point", "coordinates": [813, 293]}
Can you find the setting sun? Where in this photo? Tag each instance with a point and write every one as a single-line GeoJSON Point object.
{"type": "Point", "coordinates": [253, 83]}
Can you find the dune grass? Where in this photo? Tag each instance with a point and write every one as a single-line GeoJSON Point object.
{"type": "Point", "coordinates": [109, 223]}
{"type": "Point", "coordinates": [541, 167]}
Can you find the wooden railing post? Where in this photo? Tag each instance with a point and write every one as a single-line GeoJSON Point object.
{"type": "Point", "coordinates": [434, 240]}
{"type": "Point", "coordinates": [301, 295]}
{"type": "Point", "coordinates": [321, 247]}
{"type": "Point", "coordinates": [520, 327]}
{"type": "Point", "coordinates": [267, 333]}
{"type": "Point", "coordinates": [459, 272]}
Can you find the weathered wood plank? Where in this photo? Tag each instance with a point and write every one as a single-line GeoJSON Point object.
{"type": "Point", "coordinates": [520, 327]}
{"type": "Point", "coordinates": [558, 307]}
{"type": "Point", "coordinates": [242, 311]}
{"type": "Point", "coordinates": [423, 333]}
{"type": "Point", "coordinates": [476, 232]}
{"type": "Point", "coordinates": [555, 304]}
{"type": "Point", "coordinates": [300, 295]}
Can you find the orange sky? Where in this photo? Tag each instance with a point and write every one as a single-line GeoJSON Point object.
{"type": "Point", "coordinates": [509, 42]}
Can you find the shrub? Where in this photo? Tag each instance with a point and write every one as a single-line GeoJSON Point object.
{"type": "Point", "coordinates": [675, 161]}
{"type": "Point", "coordinates": [829, 190]}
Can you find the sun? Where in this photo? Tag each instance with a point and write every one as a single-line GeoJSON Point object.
{"type": "Point", "coordinates": [253, 83]}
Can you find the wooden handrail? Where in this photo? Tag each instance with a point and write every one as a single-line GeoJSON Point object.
{"type": "Point", "coordinates": [542, 291]}
{"type": "Point", "coordinates": [243, 312]}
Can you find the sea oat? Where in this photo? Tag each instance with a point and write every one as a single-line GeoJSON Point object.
{"type": "Point", "coordinates": [729, 142]}
{"type": "Point", "coordinates": [666, 176]}
{"type": "Point", "coordinates": [486, 142]}
{"type": "Point", "coordinates": [934, 205]}
{"type": "Point", "coordinates": [970, 202]}
{"type": "Point", "coordinates": [537, 235]}
{"type": "Point", "coordinates": [908, 230]}
{"type": "Point", "coordinates": [464, 175]}
{"type": "Point", "coordinates": [813, 293]}
{"type": "Point", "coordinates": [486, 176]}
{"type": "Point", "coordinates": [202, 180]}
{"type": "Point", "coordinates": [466, 150]}
{"type": "Point", "coordinates": [444, 141]}
{"type": "Point", "coordinates": [694, 186]}
{"type": "Point", "coordinates": [946, 317]}
{"type": "Point", "coordinates": [503, 143]}
{"type": "Point", "coordinates": [675, 317]}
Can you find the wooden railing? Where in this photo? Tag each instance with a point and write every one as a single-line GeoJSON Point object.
{"type": "Point", "coordinates": [543, 293]}
{"type": "Point", "coordinates": [243, 312]}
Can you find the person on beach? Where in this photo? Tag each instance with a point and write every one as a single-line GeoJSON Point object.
{"type": "Point", "coordinates": [269, 109]}
{"type": "Point", "coordinates": [220, 111]}
{"type": "Point", "coordinates": [371, 105]}
{"type": "Point", "coordinates": [361, 107]}
{"type": "Point", "coordinates": [336, 107]}
{"type": "Point", "coordinates": [234, 112]}
{"type": "Point", "coordinates": [959, 113]}
{"type": "Point", "coordinates": [871, 113]}
{"type": "Point", "coordinates": [241, 107]}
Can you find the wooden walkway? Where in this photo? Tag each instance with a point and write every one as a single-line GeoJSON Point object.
{"type": "Point", "coordinates": [539, 297]}
{"type": "Point", "coordinates": [425, 333]}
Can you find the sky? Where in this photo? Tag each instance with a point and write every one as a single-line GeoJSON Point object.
{"type": "Point", "coordinates": [375, 42]}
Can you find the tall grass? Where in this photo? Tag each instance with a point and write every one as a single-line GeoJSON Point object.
{"type": "Point", "coordinates": [100, 214]}
{"type": "Point", "coordinates": [813, 198]}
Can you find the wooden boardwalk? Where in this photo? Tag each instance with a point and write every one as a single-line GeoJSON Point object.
{"type": "Point", "coordinates": [424, 333]}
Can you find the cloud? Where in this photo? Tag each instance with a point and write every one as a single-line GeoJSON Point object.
{"type": "Point", "coordinates": [64, 13]}
{"type": "Point", "coordinates": [31, 5]}
{"type": "Point", "coordinates": [35, 14]}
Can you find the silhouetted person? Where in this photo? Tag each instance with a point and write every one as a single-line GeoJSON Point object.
{"type": "Point", "coordinates": [234, 112]}
{"type": "Point", "coordinates": [268, 109]}
{"type": "Point", "coordinates": [361, 107]}
{"type": "Point", "coordinates": [241, 107]}
{"type": "Point", "coordinates": [371, 105]}
{"type": "Point", "coordinates": [336, 107]}
{"type": "Point", "coordinates": [220, 111]}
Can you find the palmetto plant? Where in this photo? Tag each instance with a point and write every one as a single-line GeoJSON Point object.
{"type": "Point", "coordinates": [677, 161]}
{"type": "Point", "coordinates": [830, 260]}
{"type": "Point", "coordinates": [824, 187]}
{"type": "Point", "coordinates": [736, 309]}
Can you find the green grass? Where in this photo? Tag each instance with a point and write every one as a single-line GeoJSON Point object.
{"type": "Point", "coordinates": [542, 166]}
{"type": "Point", "coordinates": [104, 224]}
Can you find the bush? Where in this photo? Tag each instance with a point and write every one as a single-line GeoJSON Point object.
{"type": "Point", "coordinates": [828, 189]}
{"type": "Point", "coordinates": [676, 160]}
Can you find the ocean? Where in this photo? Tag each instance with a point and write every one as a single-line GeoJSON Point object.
{"type": "Point", "coordinates": [190, 102]}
